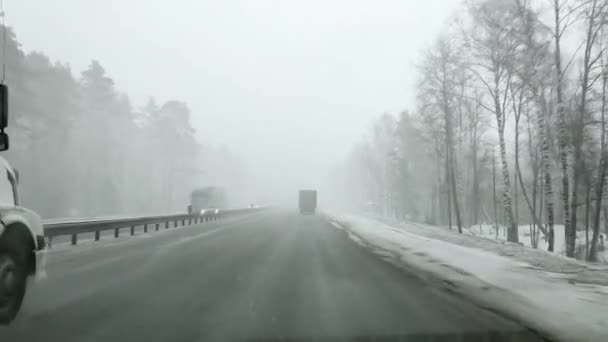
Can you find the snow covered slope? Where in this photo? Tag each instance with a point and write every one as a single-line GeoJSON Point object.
{"type": "Point", "coordinates": [560, 297]}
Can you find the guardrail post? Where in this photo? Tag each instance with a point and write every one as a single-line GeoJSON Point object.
{"type": "Point", "coordinates": [183, 222]}
{"type": "Point", "coordinates": [167, 225]}
{"type": "Point", "coordinates": [50, 242]}
{"type": "Point", "coordinates": [97, 235]}
{"type": "Point", "coordinates": [116, 232]}
{"type": "Point", "coordinates": [156, 227]}
{"type": "Point", "coordinates": [175, 224]}
{"type": "Point", "coordinates": [145, 227]}
{"type": "Point", "coordinates": [190, 220]}
{"type": "Point", "coordinates": [132, 230]}
{"type": "Point", "coordinates": [74, 238]}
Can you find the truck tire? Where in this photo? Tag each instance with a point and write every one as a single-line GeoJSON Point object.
{"type": "Point", "coordinates": [13, 277]}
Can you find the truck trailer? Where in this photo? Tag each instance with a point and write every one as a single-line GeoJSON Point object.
{"type": "Point", "coordinates": [308, 201]}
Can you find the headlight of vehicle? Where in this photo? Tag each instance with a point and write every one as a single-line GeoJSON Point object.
{"type": "Point", "coordinates": [217, 211]}
{"type": "Point", "coordinates": [203, 212]}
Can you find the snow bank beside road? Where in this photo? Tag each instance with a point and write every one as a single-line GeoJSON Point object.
{"type": "Point", "coordinates": [489, 232]}
{"type": "Point", "coordinates": [548, 301]}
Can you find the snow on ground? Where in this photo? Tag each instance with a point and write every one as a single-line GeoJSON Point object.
{"type": "Point", "coordinates": [563, 298]}
{"type": "Point", "coordinates": [488, 231]}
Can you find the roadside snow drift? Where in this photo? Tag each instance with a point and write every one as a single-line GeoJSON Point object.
{"type": "Point", "coordinates": [550, 302]}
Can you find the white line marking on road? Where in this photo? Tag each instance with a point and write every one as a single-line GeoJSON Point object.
{"type": "Point", "coordinates": [131, 251]}
{"type": "Point", "coordinates": [99, 263]}
{"type": "Point", "coordinates": [337, 225]}
{"type": "Point", "coordinates": [187, 239]}
{"type": "Point", "coordinates": [164, 249]}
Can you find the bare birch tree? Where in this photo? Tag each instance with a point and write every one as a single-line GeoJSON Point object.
{"type": "Point", "coordinates": [440, 85]}
{"type": "Point", "coordinates": [594, 11]}
{"type": "Point", "coordinates": [492, 45]}
{"type": "Point", "coordinates": [601, 174]}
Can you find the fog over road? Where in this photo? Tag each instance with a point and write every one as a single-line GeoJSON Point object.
{"type": "Point", "coordinates": [273, 274]}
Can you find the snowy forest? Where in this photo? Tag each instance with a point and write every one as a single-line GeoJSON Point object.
{"type": "Point", "coordinates": [83, 149]}
{"type": "Point", "coordinates": [509, 128]}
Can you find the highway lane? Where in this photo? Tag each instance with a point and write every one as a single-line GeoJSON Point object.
{"type": "Point", "coordinates": [269, 275]}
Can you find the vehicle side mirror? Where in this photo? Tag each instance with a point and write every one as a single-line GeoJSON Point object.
{"type": "Point", "coordinates": [3, 106]}
{"type": "Point", "coordinates": [4, 142]}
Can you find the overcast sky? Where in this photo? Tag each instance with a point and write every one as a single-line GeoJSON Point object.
{"type": "Point", "coordinates": [309, 74]}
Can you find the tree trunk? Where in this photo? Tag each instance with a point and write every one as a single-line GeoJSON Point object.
{"type": "Point", "coordinates": [599, 191]}
{"type": "Point", "coordinates": [546, 165]}
{"type": "Point", "coordinates": [437, 206]}
{"type": "Point", "coordinates": [450, 157]}
{"type": "Point", "coordinates": [454, 193]}
{"type": "Point", "coordinates": [606, 220]}
{"type": "Point", "coordinates": [570, 233]}
{"type": "Point", "coordinates": [517, 117]}
{"type": "Point", "coordinates": [475, 197]}
{"type": "Point", "coordinates": [531, 204]}
{"type": "Point", "coordinates": [536, 87]}
{"type": "Point", "coordinates": [494, 191]}
{"type": "Point", "coordinates": [579, 128]}
{"type": "Point", "coordinates": [587, 207]}
{"type": "Point", "coordinates": [537, 224]}
{"type": "Point", "coordinates": [536, 220]}
{"type": "Point", "coordinates": [512, 235]}
{"type": "Point", "coordinates": [431, 216]}
{"type": "Point", "coordinates": [540, 205]}
{"type": "Point", "coordinates": [447, 188]}
{"type": "Point", "coordinates": [516, 198]}
{"type": "Point", "coordinates": [562, 135]}
{"type": "Point", "coordinates": [517, 109]}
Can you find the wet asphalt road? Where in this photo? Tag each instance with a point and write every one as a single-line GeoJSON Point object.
{"type": "Point", "coordinates": [273, 275]}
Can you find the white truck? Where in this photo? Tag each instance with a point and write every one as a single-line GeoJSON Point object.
{"type": "Point", "coordinates": [21, 233]}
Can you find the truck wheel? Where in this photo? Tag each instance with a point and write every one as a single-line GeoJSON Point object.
{"type": "Point", "coordinates": [13, 274]}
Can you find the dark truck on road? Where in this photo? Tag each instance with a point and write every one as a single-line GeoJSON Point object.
{"type": "Point", "coordinates": [308, 201]}
{"type": "Point", "coordinates": [207, 201]}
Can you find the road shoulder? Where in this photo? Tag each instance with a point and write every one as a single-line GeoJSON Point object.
{"type": "Point", "coordinates": [545, 302]}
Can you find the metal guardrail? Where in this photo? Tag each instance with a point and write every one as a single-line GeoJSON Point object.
{"type": "Point", "coordinates": [73, 228]}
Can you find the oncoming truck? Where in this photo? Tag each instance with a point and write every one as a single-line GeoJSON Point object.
{"type": "Point", "coordinates": [207, 201]}
{"type": "Point", "coordinates": [21, 232]}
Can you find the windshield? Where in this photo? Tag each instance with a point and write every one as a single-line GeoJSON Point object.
{"type": "Point", "coordinates": [201, 170]}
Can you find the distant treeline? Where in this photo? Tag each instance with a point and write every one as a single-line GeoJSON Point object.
{"type": "Point", "coordinates": [82, 149]}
